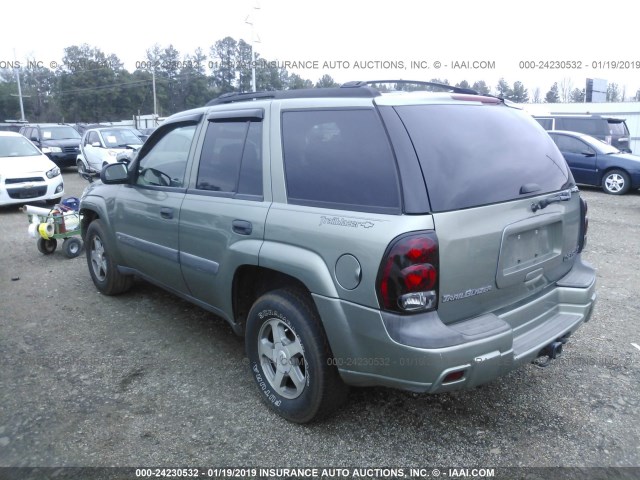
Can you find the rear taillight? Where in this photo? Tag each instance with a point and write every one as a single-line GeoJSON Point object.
{"type": "Point", "coordinates": [408, 276]}
{"type": "Point", "coordinates": [584, 224]}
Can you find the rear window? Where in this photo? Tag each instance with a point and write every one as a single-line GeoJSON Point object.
{"type": "Point", "coordinates": [477, 155]}
{"type": "Point", "coordinates": [618, 128]}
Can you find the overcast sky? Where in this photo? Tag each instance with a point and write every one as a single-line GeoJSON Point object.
{"type": "Point", "coordinates": [503, 32]}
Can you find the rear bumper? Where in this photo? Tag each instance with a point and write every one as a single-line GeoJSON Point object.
{"type": "Point", "coordinates": [417, 353]}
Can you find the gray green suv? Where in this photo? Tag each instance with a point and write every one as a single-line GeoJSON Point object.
{"type": "Point", "coordinates": [423, 241]}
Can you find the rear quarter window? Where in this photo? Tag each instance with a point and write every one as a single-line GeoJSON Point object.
{"type": "Point", "coordinates": [339, 159]}
{"type": "Point", "coordinates": [475, 155]}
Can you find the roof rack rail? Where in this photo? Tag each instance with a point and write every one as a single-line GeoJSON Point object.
{"type": "Point", "coordinates": [356, 84]}
{"type": "Point", "coordinates": [232, 97]}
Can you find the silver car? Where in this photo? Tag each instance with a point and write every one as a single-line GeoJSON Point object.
{"type": "Point", "coordinates": [422, 241]}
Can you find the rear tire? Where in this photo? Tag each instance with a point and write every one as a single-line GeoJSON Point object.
{"type": "Point", "coordinates": [616, 182]}
{"type": "Point", "coordinates": [47, 246]}
{"type": "Point", "coordinates": [102, 268]}
{"type": "Point", "coordinates": [290, 358]}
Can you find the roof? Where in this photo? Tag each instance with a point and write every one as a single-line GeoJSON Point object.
{"type": "Point", "coordinates": [356, 89]}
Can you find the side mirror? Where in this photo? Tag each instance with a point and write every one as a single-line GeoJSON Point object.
{"type": "Point", "coordinates": [33, 138]}
{"type": "Point", "coordinates": [588, 153]}
{"type": "Point", "coordinates": [114, 173]}
{"type": "Point", "coordinates": [96, 144]}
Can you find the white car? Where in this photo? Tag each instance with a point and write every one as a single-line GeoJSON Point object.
{"type": "Point", "coordinates": [26, 174]}
{"type": "Point", "coordinates": [100, 147]}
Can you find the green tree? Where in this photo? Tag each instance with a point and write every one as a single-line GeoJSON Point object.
{"type": "Point", "coordinates": [481, 87]}
{"type": "Point", "coordinates": [86, 84]}
{"type": "Point", "coordinates": [295, 81]}
{"type": "Point", "coordinates": [463, 84]}
{"type": "Point", "coordinates": [326, 81]}
{"type": "Point", "coordinates": [9, 103]}
{"type": "Point", "coordinates": [552, 95]}
{"type": "Point", "coordinates": [577, 96]}
{"type": "Point", "coordinates": [503, 89]}
{"type": "Point", "coordinates": [224, 54]}
{"type": "Point", "coordinates": [519, 94]}
{"type": "Point", "coordinates": [613, 93]}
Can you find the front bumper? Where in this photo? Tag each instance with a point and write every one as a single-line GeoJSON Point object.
{"type": "Point", "coordinates": [20, 194]}
{"type": "Point", "coordinates": [417, 353]}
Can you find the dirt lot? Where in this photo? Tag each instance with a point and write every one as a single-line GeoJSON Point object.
{"type": "Point", "coordinates": [147, 379]}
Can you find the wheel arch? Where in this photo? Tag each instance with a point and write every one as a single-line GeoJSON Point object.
{"type": "Point", "coordinates": [250, 282]}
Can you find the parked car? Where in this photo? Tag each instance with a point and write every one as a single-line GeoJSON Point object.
{"type": "Point", "coordinates": [11, 125]}
{"type": "Point", "coordinates": [25, 173]}
{"type": "Point", "coordinates": [612, 131]}
{"type": "Point", "coordinates": [59, 142]}
{"type": "Point", "coordinates": [593, 162]}
{"type": "Point", "coordinates": [146, 132]}
{"type": "Point", "coordinates": [417, 240]}
{"type": "Point", "coordinates": [101, 146]}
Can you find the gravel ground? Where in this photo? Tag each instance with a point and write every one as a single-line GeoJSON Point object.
{"type": "Point", "coordinates": [148, 379]}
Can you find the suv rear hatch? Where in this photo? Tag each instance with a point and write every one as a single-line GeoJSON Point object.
{"type": "Point", "coordinates": [485, 166]}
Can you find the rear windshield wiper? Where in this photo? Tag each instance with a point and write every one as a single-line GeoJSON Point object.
{"type": "Point", "coordinates": [545, 202]}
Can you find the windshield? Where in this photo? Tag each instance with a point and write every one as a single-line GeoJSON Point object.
{"type": "Point", "coordinates": [120, 138]}
{"type": "Point", "coordinates": [599, 145]}
{"type": "Point", "coordinates": [17, 147]}
{"type": "Point", "coordinates": [474, 155]}
{"type": "Point", "coordinates": [59, 133]}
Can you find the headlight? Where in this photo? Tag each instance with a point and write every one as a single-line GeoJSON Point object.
{"type": "Point", "coordinates": [51, 150]}
{"type": "Point", "coordinates": [54, 172]}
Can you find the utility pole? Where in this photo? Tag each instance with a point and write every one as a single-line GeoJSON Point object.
{"type": "Point", "coordinates": [249, 20]}
{"type": "Point", "coordinates": [155, 102]}
{"type": "Point", "coordinates": [19, 88]}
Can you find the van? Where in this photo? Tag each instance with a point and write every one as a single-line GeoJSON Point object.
{"type": "Point", "coordinates": [612, 131]}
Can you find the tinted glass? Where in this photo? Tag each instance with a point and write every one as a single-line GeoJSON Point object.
{"type": "Point", "coordinates": [546, 123]}
{"type": "Point", "coordinates": [339, 159]}
{"type": "Point", "coordinates": [164, 165]}
{"type": "Point", "coordinates": [231, 159]}
{"type": "Point", "coordinates": [570, 145]}
{"type": "Point", "coordinates": [476, 155]}
{"type": "Point", "coordinates": [618, 128]}
{"type": "Point", "coordinates": [590, 126]}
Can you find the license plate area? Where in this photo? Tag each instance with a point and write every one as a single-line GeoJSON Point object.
{"type": "Point", "coordinates": [530, 245]}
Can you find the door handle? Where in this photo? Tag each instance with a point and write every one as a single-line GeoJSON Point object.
{"type": "Point", "coordinates": [242, 227]}
{"type": "Point", "coordinates": [166, 212]}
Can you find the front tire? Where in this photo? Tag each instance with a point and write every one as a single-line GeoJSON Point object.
{"type": "Point", "coordinates": [81, 168]}
{"type": "Point", "coordinates": [102, 268]}
{"type": "Point", "coordinates": [290, 358]}
{"type": "Point", "coordinates": [616, 182]}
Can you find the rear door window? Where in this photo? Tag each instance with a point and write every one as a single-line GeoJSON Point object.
{"type": "Point", "coordinates": [475, 155]}
{"type": "Point", "coordinates": [339, 159]}
{"type": "Point", "coordinates": [231, 159]}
